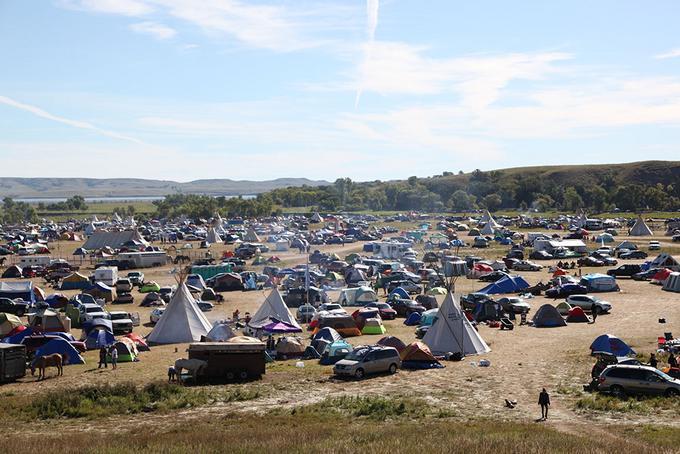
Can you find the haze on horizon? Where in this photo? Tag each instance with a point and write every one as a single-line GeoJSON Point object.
{"type": "Point", "coordinates": [263, 89]}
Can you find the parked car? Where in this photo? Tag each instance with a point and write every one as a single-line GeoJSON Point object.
{"type": "Point", "coordinates": [136, 277]}
{"type": "Point", "coordinates": [121, 322]}
{"type": "Point", "coordinates": [363, 361]}
{"type": "Point", "coordinates": [156, 314]}
{"type": "Point", "coordinates": [654, 245]}
{"type": "Point", "coordinates": [540, 255]}
{"type": "Point", "coordinates": [89, 312]}
{"type": "Point", "coordinates": [404, 307]}
{"type": "Point", "coordinates": [515, 304]}
{"type": "Point", "coordinates": [469, 301]}
{"type": "Point", "coordinates": [675, 238]}
{"type": "Point", "coordinates": [305, 313]}
{"type": "Point", "coordinates": [18, 308]}
{"type": "Point", "coordinates": [565, 290]}
{"type": "Point", "coordinates": [124, 285]}
{"type": "Point", "coordinates": [631, 255]}
{"type": "Point", "coordinates": [589, 303]}
{"type": "Point", "coordinates": [525, 265]}
{"type": "Point", "coordinates": [493, 276]}
{"type": "Point", "coordinates": [627, 270]}
{"type": "Point", "coordinates": [410, 287]}
{"type": "Point", "coordinates": [124, 298]}
{"type": "Point", "coordinates": [646, 275]}
{"type": "Point", "coordinates": [332, 308]}
{"type": "Point", "coordinates": [623, 379]}
{"type": "Point", "coordinates": [385, 310]}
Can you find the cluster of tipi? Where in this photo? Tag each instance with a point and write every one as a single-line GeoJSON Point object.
{"type": "Point", "coordinates": [184, 322]}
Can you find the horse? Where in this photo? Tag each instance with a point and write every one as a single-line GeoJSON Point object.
{"type": "Point", "coordinates": [193, 366]}
{"type": "Point", "coordinates": [45, 361]}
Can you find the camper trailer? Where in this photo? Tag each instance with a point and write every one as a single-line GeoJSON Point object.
{"type": "Point", "coordinates": [390, 249]}
{"type": "Point", "coordinates": [107, 275]}
{"type": "Point", "coordinates": [35, 260]}
{"type": "Point", "coordinates": [144, 259]}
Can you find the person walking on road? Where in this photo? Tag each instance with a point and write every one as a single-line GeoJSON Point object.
{"type": "Point", "coordinates": [544, 402]}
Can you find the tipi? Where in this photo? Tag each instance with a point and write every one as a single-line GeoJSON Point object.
{"type": "Point", "coordinates": [181, 322]}
{"type": "Point", "coordinates": [453, 333]}
{"type": "Point", "coordinates": [213, 237]}
{"type": "Point", "coordinates": [640, 228]}
{"type": "Point", "coordinates": [273, 308]}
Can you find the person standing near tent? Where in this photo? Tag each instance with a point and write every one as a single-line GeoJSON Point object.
{"type": "Point", "coordinates": [114, 357]}
{"type": "Point", "coordinates": [594, 313]}
{"type": "Point", "coordinates": [653, 361]}
{"type": "Point", "coordinates": [544, 402]}
{"type": "Point", "coordinates": [102, 358]}
{"type": "Point", "coordinates": [672, 360]}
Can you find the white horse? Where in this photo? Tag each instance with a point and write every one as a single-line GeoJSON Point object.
{"type": "Point", "coordinates": [193, 366]}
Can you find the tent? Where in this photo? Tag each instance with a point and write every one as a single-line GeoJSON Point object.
{"type": "Point", "coordinates": [334, 352]}
{"type": "Point", "coordinates": [14, 272]}
{"type": "Point", "coordinates": [101, 290]}
{"type": "Point", "coordinates": [8, 323]}
{"type": "Point", "coordinates": [139, 342]}
{"type": "Point", "coordinates": [418, 356]}
{"type": "Point", "coordinates": [126, 351]}
{"type": "Point", "coordinates": [280, 327]}
{"type": "Point", "coordinates": [273, 308]}
{"type": "Point", "coordinates": [640, 228]}
{"type": "Point", "coordinates": [597, 282]}
{"type": "Point", "coordinates": [453, 333]}
{"type": "Point", "coordinates": [665, 260]}
{"type": "Point", "coordinates": [63, 347]}
{"type": "Point", "coordinates": [576, 315]}
{"type": "Point", "coordinates": [398, 292]}
{"type": "Point", "coordinates": [342, 323]}
{"type": "Point", "coordinates": [288, 347]}
{"type": "Point", "coordinates": [75, 281]}
{"type": "Point", "coordinates": [672, 283]}
{"type": "Point", "coordinates": [98, 338]}
{"type": "Point", "coordinates": [220, 332]}
{"type": "Point", "coordinates": [605, 238]}
{"type": "Point", "coordinates": [661, 276]}
{"type": "Point", "coordinates": [373, 326]}
{"type": "Point", "coordinates": [182, 320]}
{"type": "Point", "coordinates": [391, 341]}
{"type": "Point", "coordinates": [413, 319]}
{"type": "Point", "coordinates": [487, 310]}
{"type": "Point", "coordinates": [506, 284]}
{"type": "Point", "coordinates": [251, 237]}
{"type": "Point", "coordinates": [56, 301]}
{"type": "Point", "coordinates": [358, 296]}
{"type": "Point", "coordinates": [14, 290]}
{"type": "Point", "coordinates": [47, 321]}
{"type": "Point", "coordinates": [213, 237]}
{"type": "Point", "coordinates": [428, 317]}
{"type": "Point", "coordinates": [547, 316]}
{"type": "Point", "coordinates": [612, 345]}
{"type": "Point", "coordinates": [563, 308]}
{"type": "Point", "coordinates": [227, 282]}
{"type": "Point", "coordinates": [324, 337]}
{"type": "Point", "coordinates": [434, 291]}
{"type": "Point", "coordinates": [17, 336]}
{"type": "Point", "coordinates": [479, 270]}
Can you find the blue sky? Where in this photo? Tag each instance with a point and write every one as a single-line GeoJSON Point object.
{"type": "Point", "coordinates": [377, 89]}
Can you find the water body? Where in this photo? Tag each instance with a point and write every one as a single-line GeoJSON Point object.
{"type": "Point", "coordinates": [111, 199]}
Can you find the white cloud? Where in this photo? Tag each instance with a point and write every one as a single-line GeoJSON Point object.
{"type": "Point", "coordinates": [158, 31]}
{"type": "Point", "coordinates": [37, 111]}
{"type": "Point", "coordinates": [673, 53]}
{"type": "Point", "coordinates": [133, 8]}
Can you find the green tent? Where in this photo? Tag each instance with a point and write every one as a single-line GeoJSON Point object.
{"type": "Point", "coordinates": [373, 326]}
{"type": "Point", "coordinates": [150, 287]}
{"type": "Point", "coordinates": [126, 352]}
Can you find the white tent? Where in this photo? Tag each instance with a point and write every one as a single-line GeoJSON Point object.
{"type": "Point", "coordinates": [181, 322]}
{"type": "Point", "coordinates": [488, 229]}
{"type": "Point", "coordinates": [640, 228]}
{"type": "Point", "coordinates": [672, 283]}
{"type": "Point", "coordinates": [453, 333]}
{"type": "Point", "coordinates": [220, 333]}
{"type": "Point", "coordinates": [213, 237]}
{"type": "Point", "coordinates": [273, 308]}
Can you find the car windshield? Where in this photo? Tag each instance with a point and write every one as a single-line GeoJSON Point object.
{"type": "Point", "coordinates": [330, 307]}
{"type": "Point", "coordinates": [383, 306]}
{"type": "Point", "coordinates": [357, 355]}
{"type": "Point", "coordinates": [119, 316]}
{"type": "Point", "coordinates": [93, 309]}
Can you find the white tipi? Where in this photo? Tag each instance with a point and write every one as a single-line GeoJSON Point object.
{"type": "Point", "coordinates": [640, 228]}
{"type": "Point", "coordinates": [181, 322]}
{"type": "Point", "coordinates": [453, 333]}
{"type": "Point", "coordinates": [273, 308]}
{"type": "Point", "coordinates": [213, 237]}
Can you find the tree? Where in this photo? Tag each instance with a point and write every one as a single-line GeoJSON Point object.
{"type": "Point", "coordinates": [460, 201]}
{"type": "Point", "coordinates": [492, 201]}
{"type": "Point", "coordinates": [572, 199]}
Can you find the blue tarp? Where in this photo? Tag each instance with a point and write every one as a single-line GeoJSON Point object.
{"type": "Point", "coordinates": [611, 344]}
{"type": "Point", "coordinates": [400, 292]}
{"type": "Point", "coordinates": [62, 347]}
{"type": "Point", "coordinates": [413, 319]}
{"type": "Point", "coordinates": [506, 284]}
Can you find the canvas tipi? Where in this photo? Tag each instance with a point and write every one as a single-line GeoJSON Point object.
{"type": "Point", "coordinates": [453, 333]}
{"type": "Point", "coordinates": [213, 237]}
{"type": "Point", "coordinates": [181, 322]}
{"type": "Point", "coordinates": [273, 308]}
{"type": "Point", "coordinates": [251, 237]}
{"type": "Point", "coordinates": [640, 228]}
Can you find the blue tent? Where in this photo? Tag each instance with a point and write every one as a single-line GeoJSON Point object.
{"type": "Point", "coordinates": [611, 344]}
{"type": "Point", "coordinates": [99, 338]}
{"type": "Point", "coordinates": [18, 337]}
{"type": "Point", "coordinates": [506, 284]}
{"type": "Point", "coordinates": [413, 319]}
{"type": "Point", "coordinates": [101, 323]}
{"type": "Point", "coordinates": [62, 347]}
{"type": "Point", "coordinates": [399, 293]}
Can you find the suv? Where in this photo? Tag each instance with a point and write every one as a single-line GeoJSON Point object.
{"type": "Point", "coordinates": [368, 360]}
{"type": "Point", "coordinates": [621, 379]}
{"type": "Point", "coordinates": [89, 312]}
{"type": "Point", "coordinates": [404, 307]}
{"type": "Point", "coordinates": [136, 277]}
{"type": "Point", "coordinates": [18, 308]}
{"type": "Point", "coordinates": [515, 304]}
{"type": "Point", "coordinates": [627, 270]}
{"type": "Point", "coordinates": [589, 303]}
{"type": "Point", "coordinates": [654, 245]}
{"type": "Point", "coordinates": [124, 285]}
{"type": "Point", "coordinates": [526, 266]}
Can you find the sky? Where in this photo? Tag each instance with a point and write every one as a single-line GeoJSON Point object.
{"type": "Point", "coordinates": [366, 89]}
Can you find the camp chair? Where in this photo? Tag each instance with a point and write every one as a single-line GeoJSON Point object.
{"type": "Point", "coordinates": [661, 341]}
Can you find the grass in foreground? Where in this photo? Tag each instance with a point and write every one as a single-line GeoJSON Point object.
{"type": "Point", "coordinates": [638, 405]}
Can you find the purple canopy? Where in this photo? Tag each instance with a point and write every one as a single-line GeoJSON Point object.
{"type": "Point", "coordinates": [277, 326]}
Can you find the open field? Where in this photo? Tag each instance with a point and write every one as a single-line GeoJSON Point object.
{"type": "Point", "coordinates": [462, 405]}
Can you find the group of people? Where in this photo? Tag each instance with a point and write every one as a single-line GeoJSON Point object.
{"type": "Point", "coordinates": [104, 353]}
{"type": "Point", "coordinates": [672, 360]}
{"type": "Point", "coordinates": [236, 317]}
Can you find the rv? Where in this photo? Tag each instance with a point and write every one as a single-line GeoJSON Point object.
{"type": "Point", "coordinates": [35, 260]}
{"type": "Point", "coordinates": [391, 250]}
{"type": "Point", "coordinates": [144, 259]}
{"type": "Point", "coordinates": [107, 275]}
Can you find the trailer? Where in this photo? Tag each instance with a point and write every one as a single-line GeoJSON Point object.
{"type": "Point", "coordinates": [230, 360]}
{"type": "Point", "coordinates": [12, 362]}
{"type": "Point", "coordinates": [146, 259]}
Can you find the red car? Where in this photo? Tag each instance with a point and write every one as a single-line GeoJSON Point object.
{"type": "Point", "coordinates": [385, 310]}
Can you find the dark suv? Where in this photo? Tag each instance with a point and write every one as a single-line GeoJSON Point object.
{"type": "Point", "coordinates": [627, 270]}
{"type": "Point", "coordinates": [404, 307]}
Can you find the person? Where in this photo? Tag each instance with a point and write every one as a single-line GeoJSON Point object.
{"type": "Point", "coordinates": [102, 358]}
{"type": "Point", "coordinates": [672, 360]}
{"type": "Point", "coordinates": [247, 318]}
{"type": "Point", "coordinates": [594, 313]}
{"type": "Point", "coordinates": [544, 402]}
{"type": "Point", "coordinates": [653, 361]}
{"type": "Point", "coordinates": [114, 357]}
{"type": "Point", "coordinates": [235, 315]}
{"type": "Point", "coordinates": [172, 374]}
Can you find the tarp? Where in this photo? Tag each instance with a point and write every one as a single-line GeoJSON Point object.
{"type": "Point", "coordinates": [453, 333]}
{"type": "Point", "coordinates": [63, 347]}
{"type": "Point", "coordinates": [611, 344]}
{"type": "Point", "coordinates": [506, 284]}
{"type": "Point", "coordinates": [547, 316]}
{"type": "Point", "coordinates": [181, 322]}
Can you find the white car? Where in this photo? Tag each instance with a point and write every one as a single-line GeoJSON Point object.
{"type": "Point", "coordinates": [654, 245]}
{"type": "Point", "coordinates": [89, 312]}
{"type": "Point", "coordinates": [589, 303]}
{"type": "Point", "coordinates": [332, 308]}
{"type": "Point", "coordinates": [156, 314]}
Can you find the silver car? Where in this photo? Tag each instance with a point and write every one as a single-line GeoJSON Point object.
{"type": "Point", "coordinates": [368, 360]}
{"type": "Point", "coordinates": [622, 379]}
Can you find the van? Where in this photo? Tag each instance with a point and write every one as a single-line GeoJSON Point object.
{"type": "Point", "coordinates": [621, 379]}
{"type": "Point", "coordinates": [367, 360]}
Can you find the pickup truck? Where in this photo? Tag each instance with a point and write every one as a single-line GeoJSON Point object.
{"type": "Point", "coordinates": [627, 270]}
{"type": "Point", "coordinates": [121, 322]}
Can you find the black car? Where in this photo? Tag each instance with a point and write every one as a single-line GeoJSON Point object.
{"type": "Point", "coordinates": [18, 308]}
{"type": "Point", "coordinates": [469, 301]}
{"type": "Point", "coordinates": [565, 290]}
{"type": "Point", "coordinates": [540, 255]}
{"type": "Point", "coordinates": [646, 275]}
{"type": "Point", "coordinates": [633, 255]}
{"type": "Point", "coordinates": [627, 270]}
{"type": "Point", "coordinates": [405, 307]}
{"type": "Point", "coordinates": [493, 277]}
{"type": "Point", "coordinates": [410, 287]}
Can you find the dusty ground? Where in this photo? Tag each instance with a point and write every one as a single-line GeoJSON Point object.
{"type": "Point", "coordinates": [522, 361]}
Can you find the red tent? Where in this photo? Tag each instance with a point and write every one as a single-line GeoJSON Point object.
{"type": "Point", "coordinates": [576, 315]}
{"type": "Point", "coordinates": [661, 276]}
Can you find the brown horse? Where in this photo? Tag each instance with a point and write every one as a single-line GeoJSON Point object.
{"type": "Point", "coordinates": [45, 361]}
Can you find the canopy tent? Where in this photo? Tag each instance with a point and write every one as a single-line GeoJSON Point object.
{"type": "Point", "coordinates": [181, 322]}
{"type": "Point", "coordinates": [640, 228]}
{"type": "Point", "coordinates": [612, 345]}
{"type": "Point", "coordinates": [506, 284]}
{"type": "Point", "coordinates": [547, 316]}
{"type": "Point", "coordinates": [453, 333]}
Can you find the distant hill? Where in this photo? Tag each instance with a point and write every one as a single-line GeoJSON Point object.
{"type": "Point", "coordinates": [129, 187]}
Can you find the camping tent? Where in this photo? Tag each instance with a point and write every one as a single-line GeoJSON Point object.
{"type": "Point", "coordinates": [101, 290]}
{"type": "Point", "coordinates": [640, 228]}
{"type": "Point", "coordinates": [418, 356]}
{"type": "Point", "coordinates": [506, 284]}
{"type": "Point", "coordinates": [13, 271]}
{"type": "Point", "coordinates": [63, 347]}
{"type": "Point", "coordinates": [334, 352]}
{"type": "Point", "coordinates": [453, 333]}
{"type": "Point", "coordinates": [127, 352]}
{"type": "Point", "coordinates": [324, 337]}
{"type": "Point", "coordinates": [342, 323]}
{"type": "Point", "coordinates": [273, 308]}
{"type": "Point", "coordinates": [99, 338]}
{"type": "Point", "coordinates": [665, 260]}
{"type": "Point", "coordinates": [672, 283]}
{"type": "Point", "coordinates": [563, 308]}
{"type": "Point", "coordinates": [547, 316]}
{"type": "Point", "coordinates": [8, 323]}
{"type": "Point", "coordinates": [612, 345]}
{"type": "Point", "coordinates": [576, 315]}
{"type": "Point", "coordinates": [391, 341]}
{"type": "Point", "coordinates": [661, 276]}
{"type": "Point", "coordinates": [48, 321]}
{"type": "Point", "coordinates": [213, 237]}
{"type": "Point", "coordinates": [288, 347]}
{"type": "Point", "coordinates": [373, 326]}
{"type": "Point", "coordinates": [220, 332]}
{"type": "Point", "coordinates": [182, 320]}
{"type": "Point", "coordinates": [14, 290]}
{"type": "Point", "coordinates": [597, 282]}
{"type": "Point", "coordinates": [358, 296]}
{"type": "Point", "coordinates": [75, 281]}
{"type": "Point", "coordinates": [251, 237]}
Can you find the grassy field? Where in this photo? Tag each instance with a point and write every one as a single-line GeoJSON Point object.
{"type": "Point", "coordinates": [99, 208]}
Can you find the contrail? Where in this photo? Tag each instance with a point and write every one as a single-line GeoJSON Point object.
{"type": "Point", "coordinates": [372, 9]}
{"type": "Point", "coordinates": [38, 112]}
